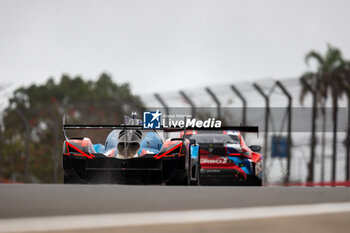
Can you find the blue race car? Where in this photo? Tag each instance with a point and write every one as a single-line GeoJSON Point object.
{"type": "Point", "coordinates": [131, 155]}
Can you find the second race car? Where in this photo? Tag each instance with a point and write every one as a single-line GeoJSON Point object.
{"type": "Point", "coordinates": [225, 159]}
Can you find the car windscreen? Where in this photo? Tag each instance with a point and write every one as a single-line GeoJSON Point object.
{"type": "Point", "coordinates": [215, 138]}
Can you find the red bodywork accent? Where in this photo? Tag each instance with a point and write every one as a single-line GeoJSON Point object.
{"type": "Point", "coordinates": [111, 153]}
{"type": "Point", "coordinates": [234, 154]}
{"type": "Point", "coordinates": [188, 132]}
{"type": "Point", "coordinates": [83, 154]}
{"type": "Point", "coordinates": [166, 154]}
{"type": "Point", "coordinates": [157, 156]}
{"type": "Point", "coordinates": [244, 147]}
{"type": "Point", "coordinates": [143, 152]}
{"type": "Point", "coordinates": [256, 157]}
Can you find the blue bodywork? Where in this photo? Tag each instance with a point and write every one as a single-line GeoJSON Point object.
{"type": "Point", "coordinates": [151, 142]}
{"type": "Point", "coordinates": [247, 168]}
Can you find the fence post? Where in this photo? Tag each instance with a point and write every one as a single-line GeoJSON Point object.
{"type": "Point", "coordinates": [216, 100]}
{"type": "Point", "coordinates": [165, 106]}
{"type": "Point", "coordinates": [244, 103]}
{"type": "Point", "coordinates": [161, 101]}
{"type": "Point", "coordinates": [190, 102]}
{"type": "Point", "coordinates": [310, 177]}
{"type": "Point", "coordinates": [289, 129]}
{"type": "Point", "coordinates": [267, 113]}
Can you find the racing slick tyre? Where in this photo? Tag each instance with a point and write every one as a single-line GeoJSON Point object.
{"type": "Point", "coordinates": [254, 181]}
{"type": "Point", "coordinates": [70, 178]}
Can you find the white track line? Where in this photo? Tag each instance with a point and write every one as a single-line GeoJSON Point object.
{"type": "Point", "coordinates": [74, 222]}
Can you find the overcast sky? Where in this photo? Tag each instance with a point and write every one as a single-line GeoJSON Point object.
{"type": "Point", "coordinates": [166, 45]}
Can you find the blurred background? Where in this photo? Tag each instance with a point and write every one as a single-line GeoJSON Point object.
{"type": "Point", "coordinates": [281, 65]}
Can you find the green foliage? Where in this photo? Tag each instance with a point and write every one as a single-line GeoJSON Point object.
{"type": "Point", "coordinates": [329, 77]}
{"type": "Point", "coordinates": [41, 107]}
{"type": "Point", "coordinates": [332, 76]}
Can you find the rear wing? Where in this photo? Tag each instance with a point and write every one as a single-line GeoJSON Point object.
{"type": "Point", "coordinates": [245, 129]}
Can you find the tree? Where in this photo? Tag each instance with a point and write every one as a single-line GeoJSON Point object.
{"type": "Point", "coordinates": [327, 79]}
{"type": "Point", "coordinates": [345, 74]}
{"type": "Point", "coordinates": [96, 102]}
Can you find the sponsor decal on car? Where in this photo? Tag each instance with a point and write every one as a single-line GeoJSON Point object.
{"type": "Point", "coordinates": [210, 171]}
{"type": "Point", "coordinates": [218, 160]}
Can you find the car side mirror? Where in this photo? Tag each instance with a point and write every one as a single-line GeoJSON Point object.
{"type": "Point", "coordinates": [255, 148]}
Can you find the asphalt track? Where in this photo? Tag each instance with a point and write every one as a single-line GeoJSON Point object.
{"type": "Point", "coordinates": [42, 200]}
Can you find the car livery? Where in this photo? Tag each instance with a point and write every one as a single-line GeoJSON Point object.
{"type": "Point", "coordinates": [130, 155]}
{"type": "Point", "coordinates": [225, 159]}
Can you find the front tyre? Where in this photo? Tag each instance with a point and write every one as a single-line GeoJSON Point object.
{"type": "Point", "coordinates": [254, 181]}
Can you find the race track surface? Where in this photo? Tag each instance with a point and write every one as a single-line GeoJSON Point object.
{"type": "Point", "coordinates": [42, 200]}
{"type": "Point", "coordinates": [28, 200]}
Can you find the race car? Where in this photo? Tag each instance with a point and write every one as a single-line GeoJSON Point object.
{"type": "Point", "coordinates": [225, 159]}
{"type": "Point", "coordinates": [130, 155]}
